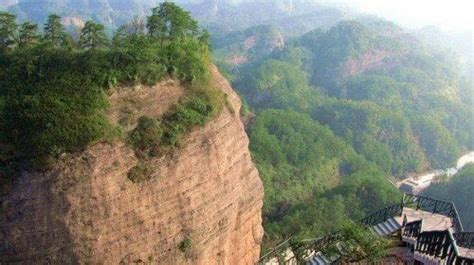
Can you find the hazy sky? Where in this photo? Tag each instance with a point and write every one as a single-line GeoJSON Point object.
{"type": "Point", "coordinates": [447, 14]}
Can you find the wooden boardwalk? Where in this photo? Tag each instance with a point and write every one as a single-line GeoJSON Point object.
{"type": "Point", "coordinates": [466, 252]}
{"type": "Point", "coordinates": [431, 221]}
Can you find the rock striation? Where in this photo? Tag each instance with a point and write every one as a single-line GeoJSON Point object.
{"type": "Point", "coordinates": [202, 205]}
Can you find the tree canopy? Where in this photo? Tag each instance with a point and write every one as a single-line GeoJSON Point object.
{"type": "Point", "coordinates": [53, 89]}
{"type": "Point", "coordinates": [55, 33]}
{"type": "Point", "coordinates": [93, 36]}
{"type": "Point", "coordinates": [8, 28]}
{"type": "Point", "coordinates": [168, 20]}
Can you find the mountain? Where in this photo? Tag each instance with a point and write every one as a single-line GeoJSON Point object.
{"type": "Point", "coordinates": [201, 204]}
{"type": "Point", "coordinates": [118, 151]}
{"type": "Point", "coordinates": [292, 17]}
{"type": "Point", "coordinates": [243, 47]}
{"type": "Point", "coordinates": [221, 17]}
{"type": "Point", "coordinates": [459, 43]}
{"type": "Point", "coordinates": [339, 112]}
{"type": "Point", "coordinates": [337, 107]}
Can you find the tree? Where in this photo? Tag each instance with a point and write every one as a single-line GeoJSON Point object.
{"type": "Point", "coordinates": [156, 25]}
{"type": "Point", "coordinates": [134, 28]}
{"type": "Point", "coordinates": [93, 36]}
{"type": "Point", "coordinates": [171, 21]}
{"type": "Point", "coordinates": [28, 34]}
{"type": "Point", "coordinates": [120, 35]}
{"type": "Point", "coordinates": [205, 38]}
{"type": "Point", "coordinates": [8, 29]}
{"type": "Point", "coordinates": [55, 33]}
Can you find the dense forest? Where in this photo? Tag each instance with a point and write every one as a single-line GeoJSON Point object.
{"type": "Point", "coordinates": [53, 89]}
{"type": "Point", "coordinates": [341, 111]}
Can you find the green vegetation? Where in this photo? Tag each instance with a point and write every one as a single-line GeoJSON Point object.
{"type": "Point", "coordinates": [313, 180]}
{"type": "Point", "coordinates": [55, 33]}
{"type": "Point", "coordinates": [139, 173]}
{"type": "Point", "coordinates": [152, 137]}
{"type": "Point", "coordinates": [243, 47]}
{"type": "Point", "coordinates": [332, 125]}
{"type": "Point", "coordinates": [53, 90]}
{"type": "Point", "coordinates": [93, 36]}
{"type": "Point", "coordinates": [458, 190]}
{"type": "Point", "coordinates": [185, 245]}
{"type": "Point", "coordinates": [53, 103]}
{"type": "Point", "coordinates": [362, 244]}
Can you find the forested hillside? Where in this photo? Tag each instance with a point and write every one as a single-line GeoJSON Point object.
{"type": "Point", "coordinates": [458, 190]}
{"type": "Point", "coordinates": [340, 111]}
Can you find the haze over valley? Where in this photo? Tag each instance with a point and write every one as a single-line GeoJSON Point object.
{"type": "Point", "coordinates": [213, 131]}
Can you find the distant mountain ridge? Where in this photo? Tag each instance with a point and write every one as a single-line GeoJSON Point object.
{"type": "Point", "coordinates": [293, 16]}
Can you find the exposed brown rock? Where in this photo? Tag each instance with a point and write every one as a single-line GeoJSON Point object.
{"type": "Point", "coordinates": [238, 60]}
{"type": "Point", "coordinates": [250, 42]}
{"type": "Point", "coordinates": [369, 60]}
{"type": "Point", "coordinates": [127, 105]}
{"type": "Point", "coordinates": [74, 21]}
{"type": "Point", "coordinates": [87, 211]}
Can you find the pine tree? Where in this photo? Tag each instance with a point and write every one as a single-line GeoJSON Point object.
{"type": "Point", "coordinates": [120, 35]}
{"type": "Point", "coordinates": [93, 36]}
{"type": "Point", "coordinates": [8, 30]}
{"type": "Point", "coordinates": [55, 33]}
{"type": "Point", "coordinates": [28, 34]}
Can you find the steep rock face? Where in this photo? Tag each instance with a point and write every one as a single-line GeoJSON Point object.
{"type": "Point", "coordinates": [202, 206]}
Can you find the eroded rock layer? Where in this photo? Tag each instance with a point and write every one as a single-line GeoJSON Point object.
{"type": "Point", "coordinates": [202, 206]}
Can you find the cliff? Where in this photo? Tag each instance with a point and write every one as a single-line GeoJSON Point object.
{"type": "Point", "coordinates": [201, 206]}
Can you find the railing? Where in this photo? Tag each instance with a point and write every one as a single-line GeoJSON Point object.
{"type": "Point", "coordinates": [304, 250]}
{"type": "Point", "coordinates": [437, 244]}
{"type": "Point", "coordinates": [382, 215]}
{"type": "Point", "coordinates": [464, 239]}
{"type": "Point", "coordinates": [413, 229]}
{"type": "Point", "coordinates": [317, 244]}
{"type": "Point", "coordinates": [441, 245]}
{"type": "Point", "coordinates": [275, 252]}
{"type": "Point", "coordinates": [434, 206]}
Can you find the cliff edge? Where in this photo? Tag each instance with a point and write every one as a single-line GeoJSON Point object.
{"type": "Point", "coordinates": [201, 206]}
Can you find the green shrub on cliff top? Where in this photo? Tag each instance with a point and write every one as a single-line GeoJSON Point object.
{"type": "Point", "coordinates": [52, 97]}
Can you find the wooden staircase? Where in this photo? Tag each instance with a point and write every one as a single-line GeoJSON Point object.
{"type": "Point", "coordinates": [386, 228]}
{"type": "Point", "coordinates": [430, 228]}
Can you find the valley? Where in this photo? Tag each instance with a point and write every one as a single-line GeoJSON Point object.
{"type": "Point", "coordinates": [211, 131]}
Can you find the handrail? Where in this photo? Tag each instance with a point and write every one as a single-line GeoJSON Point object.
{"type": "Point", "coordinates": [458, 227]}
{"type": "Point", "coordinates": [274, 250]}
{"type": "Point", "coordinates": [413, 229]}
{"type": "Point", "coordinates": [441, 245]}
{"type": "Point", "coordinates": [434, 206]}
{"type": "Point", "coordinates": [426, 241]}
{"type": "Point", "coordinates": [382, 215]}
{"type": "Point", "coordinates": [437, 244]}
